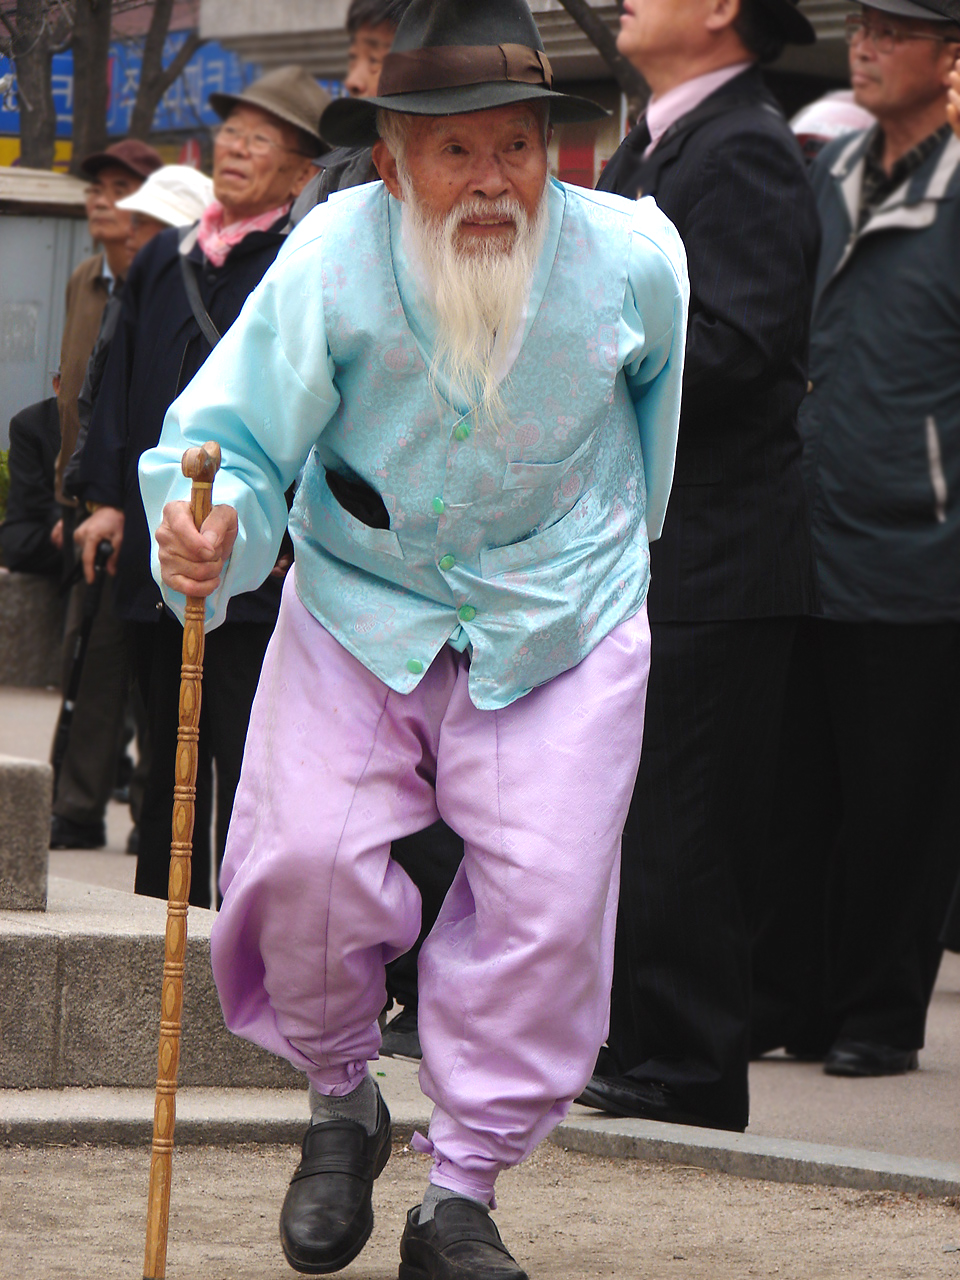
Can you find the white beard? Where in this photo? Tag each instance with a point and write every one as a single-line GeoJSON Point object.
{"type": "Point", "coordinates": [479, 294]}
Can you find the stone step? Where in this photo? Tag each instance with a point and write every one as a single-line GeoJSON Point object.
{"type": "Point", "coordinates": [80, 998]}
{"type": "Point", "coordinates": [26, 790]}
{"type": "Point", "coordinates": [31, 630]}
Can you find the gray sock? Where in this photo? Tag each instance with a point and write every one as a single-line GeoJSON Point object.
{"type": "Point", "coordinates": [360, 1105]}
{"type": "Point", "coordinates": [436, 1195]}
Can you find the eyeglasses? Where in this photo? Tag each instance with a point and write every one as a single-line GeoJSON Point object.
{"type": "Point", "coordinates": [258, 144]}
{"type": "Point", "coordinates": [884, 38]}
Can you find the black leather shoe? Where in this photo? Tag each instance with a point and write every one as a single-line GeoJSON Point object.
{"type": "Point", "coordinates": [67, 834]}
{"type": "Point", "coordinates": [644, 1100]}
{"type": "Point", "coordinates": [327, 1215]}
{"type": "Point", "coordinates": [861, 1058]}
{"type": "Point", "coordinates": [401, 1037]}
{"type": "Point", "coordinates": [461, 1242]}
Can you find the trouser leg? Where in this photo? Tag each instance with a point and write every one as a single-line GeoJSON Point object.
{"type": "Point", "coordinates": [515, 976]}
{"type": "Point", "coordinates": [158, 648]}
{"type": "Point", "coordinates": [234, 658]}
{"type": "Point", "coordinates": [693, 847]}
{"type": "Point", "coordinates": [790, 948]}
{"type": "Point", "coordinates": [336, 767]}
{"type": "Point", "coordinates": [894, 693]}
{"type": "Point", "coordinates": [89, 767]}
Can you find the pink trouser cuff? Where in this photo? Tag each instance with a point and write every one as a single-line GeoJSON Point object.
{"type": "Point", "coordinates": [447, 1175]}
{"type": "Point", "coordinates": [337, 1082]}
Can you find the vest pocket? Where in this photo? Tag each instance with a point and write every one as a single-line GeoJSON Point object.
{"type": "Point", "coordinates": [533, 475]}
{"type": "Point", "coordinates": [556, 540]}
{"type": "Point", "coordinates": [352, 530]}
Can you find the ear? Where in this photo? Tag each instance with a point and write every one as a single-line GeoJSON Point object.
{"type": "Point", "coordinates": [386, 163]}
{"type": "Point", "coordinates": [949, 64]}
{"type": "Point", "coordinates": [300, 177]}
{"type": "Point", "coordinates": [723, 13]}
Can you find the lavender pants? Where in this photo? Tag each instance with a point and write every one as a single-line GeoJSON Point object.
{"type": "Point", "coordinates": [515, 977]}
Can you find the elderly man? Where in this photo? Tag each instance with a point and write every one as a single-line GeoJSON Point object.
{"type": "Point", "coordinates": [183, 291]}
{"type": "Point", "coordinates": [734, 568]}
{"type": "Point", "coordinates": [88, 770]}
{"type": "Point", "coordinates": [870, 777]}
{"type": "Point", "coordinates": [486, 416]}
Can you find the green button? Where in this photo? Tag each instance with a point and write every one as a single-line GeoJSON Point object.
{"type": "Point", "coordinates": [439, 506]}
{"type": "Point", "coordinates": [415, 667]}
{"type": "Point", "coordinates": [461, 432]}
{"type": "Point", "coordinates": [447, 562]}
{"type": "Point", "coordinates": [466, 613]}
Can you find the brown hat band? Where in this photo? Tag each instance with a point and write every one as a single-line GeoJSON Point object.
{"type": "Point", "coordinates": [453, 66]}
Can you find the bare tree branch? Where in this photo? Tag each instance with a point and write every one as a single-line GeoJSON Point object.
{"type": "Point", "coordinates": [155, 78]}
{"type": "Point", "coordinates": [627, 76]}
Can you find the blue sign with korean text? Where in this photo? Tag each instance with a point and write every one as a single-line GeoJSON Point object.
{"type": "Point", "coordinates": [184, 106]}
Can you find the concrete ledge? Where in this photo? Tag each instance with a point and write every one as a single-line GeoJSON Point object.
{"type": "Point", "coordinates": [31, 630]}
{"type": "Point", "coordinates": [215, 1117]}
{"type": "Point", "coordinates": [771, 1159]}
{"type": "Point", "coordinates": [80, 998]}
{"type": "Point", "coordinates": [26, 791]}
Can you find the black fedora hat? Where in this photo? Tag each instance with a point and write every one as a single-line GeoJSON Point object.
{"type": "Point", "coordinates": [450, 57]}
{"type": "Point", "coordinates": [794, 26]}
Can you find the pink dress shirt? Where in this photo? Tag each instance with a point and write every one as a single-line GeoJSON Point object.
{"type": "Point", "coordinates": [671, 106]}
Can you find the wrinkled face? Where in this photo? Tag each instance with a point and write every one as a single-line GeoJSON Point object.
{"type": "Point", "coordinates": [258, 163]}
{"type": "Point", "coordinates": [474, 161]}
{"type": "Point", "coordinates": [142, 230]}
{"type": "Point", "coordinates": [108, 224]}
{"type": "Point", "coordinates": [368, 48]}
{"type": "Point", "coordinates": [658, 29]}
{"type": "Point", "coordinates": [909, 74]}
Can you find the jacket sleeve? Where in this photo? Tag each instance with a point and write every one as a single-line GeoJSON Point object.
{"type": "Point", "coordinates": [264, 395]}
{"type": "Point", "coordinates": [32, 510]}
{"type": "Point", "coordinates": [751, 234]}
{"type": "Point", "coordinates": [100, 476]}
{"type": "Point", "coordinates": [652, 336]}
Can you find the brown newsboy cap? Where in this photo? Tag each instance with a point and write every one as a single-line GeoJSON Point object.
{"type": "Point", "coordinates": [131, 154]}
{"type": "Point", "coordinates": [289, 93]}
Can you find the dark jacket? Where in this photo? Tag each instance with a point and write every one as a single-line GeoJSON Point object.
{"type": "Point", "coordinates": [32, 510]}
{"type": "Point", "coordinates": [882, 424]}
{"type": "Point", "coordinates": [156, 349]}
{"type": "Point", "coordinates": [92, 382]}
{"type": "Point", "coordinates": [731, 177]}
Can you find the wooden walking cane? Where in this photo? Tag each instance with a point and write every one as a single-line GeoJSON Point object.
{"type": "Point", "coordinates": [200, 466]}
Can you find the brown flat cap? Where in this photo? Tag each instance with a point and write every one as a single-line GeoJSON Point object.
{"type": "Point", "coordinates": [289, 93]}
{"type": "Point", "coordinates": [131, 154]}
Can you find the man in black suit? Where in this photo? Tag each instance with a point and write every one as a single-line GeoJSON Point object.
{"type": "Point", "coordinates": [29, 538]}
{"type": "Point", "coordinates": [733, 570]}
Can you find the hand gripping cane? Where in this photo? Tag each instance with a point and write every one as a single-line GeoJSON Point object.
{"type": "Point", "coordinates": [200, 466]}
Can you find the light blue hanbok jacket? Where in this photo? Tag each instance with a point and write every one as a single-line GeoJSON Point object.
{"type": "Point", "coordinates": [525, 539]}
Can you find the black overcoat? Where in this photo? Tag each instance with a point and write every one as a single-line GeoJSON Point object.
{"type": "Point", "coordinates": [32, 509]}
{"type": "Point", "coordinates": [736, 540]}
{"type": "Point", "coordinates": [156, 349]}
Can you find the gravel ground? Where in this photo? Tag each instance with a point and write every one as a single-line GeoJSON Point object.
{"type": "Point", "coordinates": [75, 1213]}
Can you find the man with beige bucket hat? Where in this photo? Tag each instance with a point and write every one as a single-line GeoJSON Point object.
{"type": "Point", "coordinates": [263, 156]}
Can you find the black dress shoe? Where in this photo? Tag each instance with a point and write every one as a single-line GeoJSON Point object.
{"type": "Point", "coordinates": [67, 834]}
{"type": "Point", "coordinates": [401, 1037]}
{"type": "Point", "coordinates": [460, 1242]}
{"type": "Point", "coordinates": [645, 1100]}
{"type": "Point", "coordinates": [327, 1215]}
{"type": "Point", "coordinates": [861, 1058]}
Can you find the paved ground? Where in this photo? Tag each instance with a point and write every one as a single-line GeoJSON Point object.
{"type": "Point", "coordinates": [75, 1214]}
{"type": "Point", "coordinates": [916, 1115]}
{"type": "Point", "coordinates": [72, 1213]}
